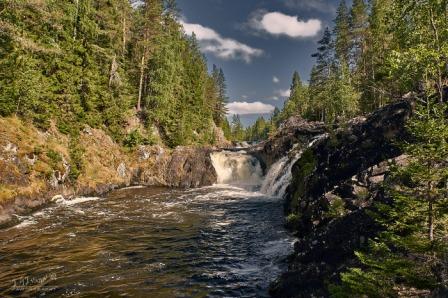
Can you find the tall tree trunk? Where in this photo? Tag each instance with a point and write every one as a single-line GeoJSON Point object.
{"type": "Point", "coordinates": [124, 36]}
{"type": "Point", "coordinates": [437, 40]}
{"type": "Point", "coordinates": [76, 20]}
{"type": "Point", "coordinates": [140, 88]}
{"type": "Point", "coordinates": [430, 213]}
{"type": "Point", "coordinates": [431, 221]}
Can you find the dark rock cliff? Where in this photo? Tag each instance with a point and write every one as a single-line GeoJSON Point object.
{"type": "Point", "coordinates": [294, 132]}
{"type": "Point", "coordinates": [334, 183]}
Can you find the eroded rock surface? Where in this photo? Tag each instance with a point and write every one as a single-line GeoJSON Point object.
{"type": "Point", "coordinates": [294, 132]}
{"type": "Point", "coordinates": [334, 183]}
{"type": "Point", "coordinates": [35, 166]}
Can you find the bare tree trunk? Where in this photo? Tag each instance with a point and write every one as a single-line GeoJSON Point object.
{"type": "Point", "coordinates": [124, 36]}
{"type": "Point", "coordinates": [430, 213]}
{"type": "Point", "coordinates": [76, 20]}
{"type": "Point", "coordinates": [113, 78]}
{"type": "Point", "coordinates": [140, 89]}
{"type": "Point", "coordinates": [431, 221]}
{"type": "Point", "coordinates": [439, 72]}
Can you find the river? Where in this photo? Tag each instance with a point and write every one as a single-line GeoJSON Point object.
{"type": "Point", "coordinates": [225, 240]}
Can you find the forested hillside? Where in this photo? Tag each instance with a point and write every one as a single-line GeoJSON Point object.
{"type": "Point", "coordinates": [100, 62]}
{"type": "Point", "coordinates": [376, 52]}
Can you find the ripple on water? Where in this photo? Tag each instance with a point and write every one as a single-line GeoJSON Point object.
{"type": "Point", "coordinates": [215, 241]}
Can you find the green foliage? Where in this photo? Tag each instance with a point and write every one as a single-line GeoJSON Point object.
{"type": "Point", "coordinates": [259, 130]}
{"type": "Point", "coordinates": [238, 132]}
{"type": "Point", "coordinates": [55, 158]}
{"type": "Point", "coordinates": [336, 208]}
{"type": "Point", "coordinates": [135, 138]}
{"type": "Point", "coordinates": [377, 52]}
{"type": "Point", "coordinates": [292, 220]}
{"type": "Point", "coordinates": [76, 159]}
{"type": "Point", "coordinates": [89, 62]}
{"type": "Point", "coordinates": [306, 165]}
{"type": "Point", "coordinates": [409, 256]}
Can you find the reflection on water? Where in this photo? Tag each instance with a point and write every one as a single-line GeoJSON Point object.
{"type": "Point", "coordinates": [148, 242]}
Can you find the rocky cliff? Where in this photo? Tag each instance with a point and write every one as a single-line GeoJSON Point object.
{"type": "Point", "coordinates": [36, 165]}
{"type": "Point", "coordinates": [294, 132]}
{"type": "Point", "coordinates": [334, 184]}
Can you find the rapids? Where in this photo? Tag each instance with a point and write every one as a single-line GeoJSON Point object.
{"type": "Point", "coordinates": [225, 240]}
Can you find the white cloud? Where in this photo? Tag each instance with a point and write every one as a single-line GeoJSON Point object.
{"type": "Point", "coordinates": [284, 93]}
{"type": "Point", "coordinates": [275, 97]}
{"type": "Point", "coordinates": [247, 108]}
{"type": "Point", "coordinates": [277, 23]}
{"type": "Point", "coordinates": [224, 48]}
{"type": "Point", "coordinates": [275, 80]}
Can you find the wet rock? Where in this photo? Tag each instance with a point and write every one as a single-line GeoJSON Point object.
{"type": "Point", "coordinates": [334, 184]}
{"type": "Point", "coordinates": [294, 132]}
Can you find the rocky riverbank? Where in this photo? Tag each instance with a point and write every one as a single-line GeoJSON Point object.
{"type": "Point", "coordinates": [36, 166]}
{"type": "Point", "coordinates": [334, 184]}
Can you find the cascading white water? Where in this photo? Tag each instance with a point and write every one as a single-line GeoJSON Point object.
{"type": "Point", "coordinates": [237, 168]}
{"type": "Point", "coordinates": [240, 169]}
{"type": "Point", "coordinates": [279, 176]}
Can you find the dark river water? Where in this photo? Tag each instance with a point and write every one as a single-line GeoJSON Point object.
{"type": "Point", "coordinates": [218, 241]}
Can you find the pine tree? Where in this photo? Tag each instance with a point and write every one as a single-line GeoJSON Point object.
{"type": "Point", "coordinates": [342, 33]}
{"type": "Point", "coordinates": [321, 73]}
{"type": "Point", "coordinates": [237, 129]}
{"type": "Point", "coordinates": [409, 257]}
{"type": "Point", "coordinates": [148, 34]}
{"type": "Point", "coordinates": [358, 26]}
{"type": "Point", "coordinates": [297, 103]}
{"type": "Point", "coordinates": [374, 85]}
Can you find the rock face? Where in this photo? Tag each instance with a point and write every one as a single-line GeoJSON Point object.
{"type": "Point", "coordinates": [184, 167]}
{"type": "Point", "coordinates": [295, 131]}
{"type": "Point", "coordinates": [36, 166]}
{"type": "Point", "coordinates": [334, 183]}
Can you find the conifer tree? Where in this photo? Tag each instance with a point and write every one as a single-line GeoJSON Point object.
{"type": "Point", "coordinates": [342, 33]}
{"type": "Point", "coordinates": [298, 99]}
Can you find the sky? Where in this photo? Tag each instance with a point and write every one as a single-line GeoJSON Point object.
{"type": "Point", "coordinates": [258, 44]}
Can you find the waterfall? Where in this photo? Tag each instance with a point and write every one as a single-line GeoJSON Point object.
{"type": "Point", "coordinates": [279, 176]}
{"type": "Point", "coordinates": [237, 168]}
{"type": "Point", "coordinates": [240, 169]}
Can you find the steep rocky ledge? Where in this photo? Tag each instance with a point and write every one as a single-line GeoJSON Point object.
{"type": "Point", "coordinates": [294, 132]}
{"type": "Point", "coordinates": [334, 183]}
{"type": "Point", "coordinates": [36, 166]}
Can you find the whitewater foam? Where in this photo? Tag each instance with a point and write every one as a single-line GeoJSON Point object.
{"type": "Point", "coordinates": [237, 168]}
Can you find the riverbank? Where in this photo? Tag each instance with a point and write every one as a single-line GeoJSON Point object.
{"type": "Point", "coordinates": [37, 166]}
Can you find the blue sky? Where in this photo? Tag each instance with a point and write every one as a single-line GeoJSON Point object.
{"type": "Point", "coordinates": [258, 44]}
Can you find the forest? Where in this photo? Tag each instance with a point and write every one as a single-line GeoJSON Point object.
{"type": "Point", "coordinates": [379, 52]}
{"type": "Point", "coordinates": [97, 63]}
